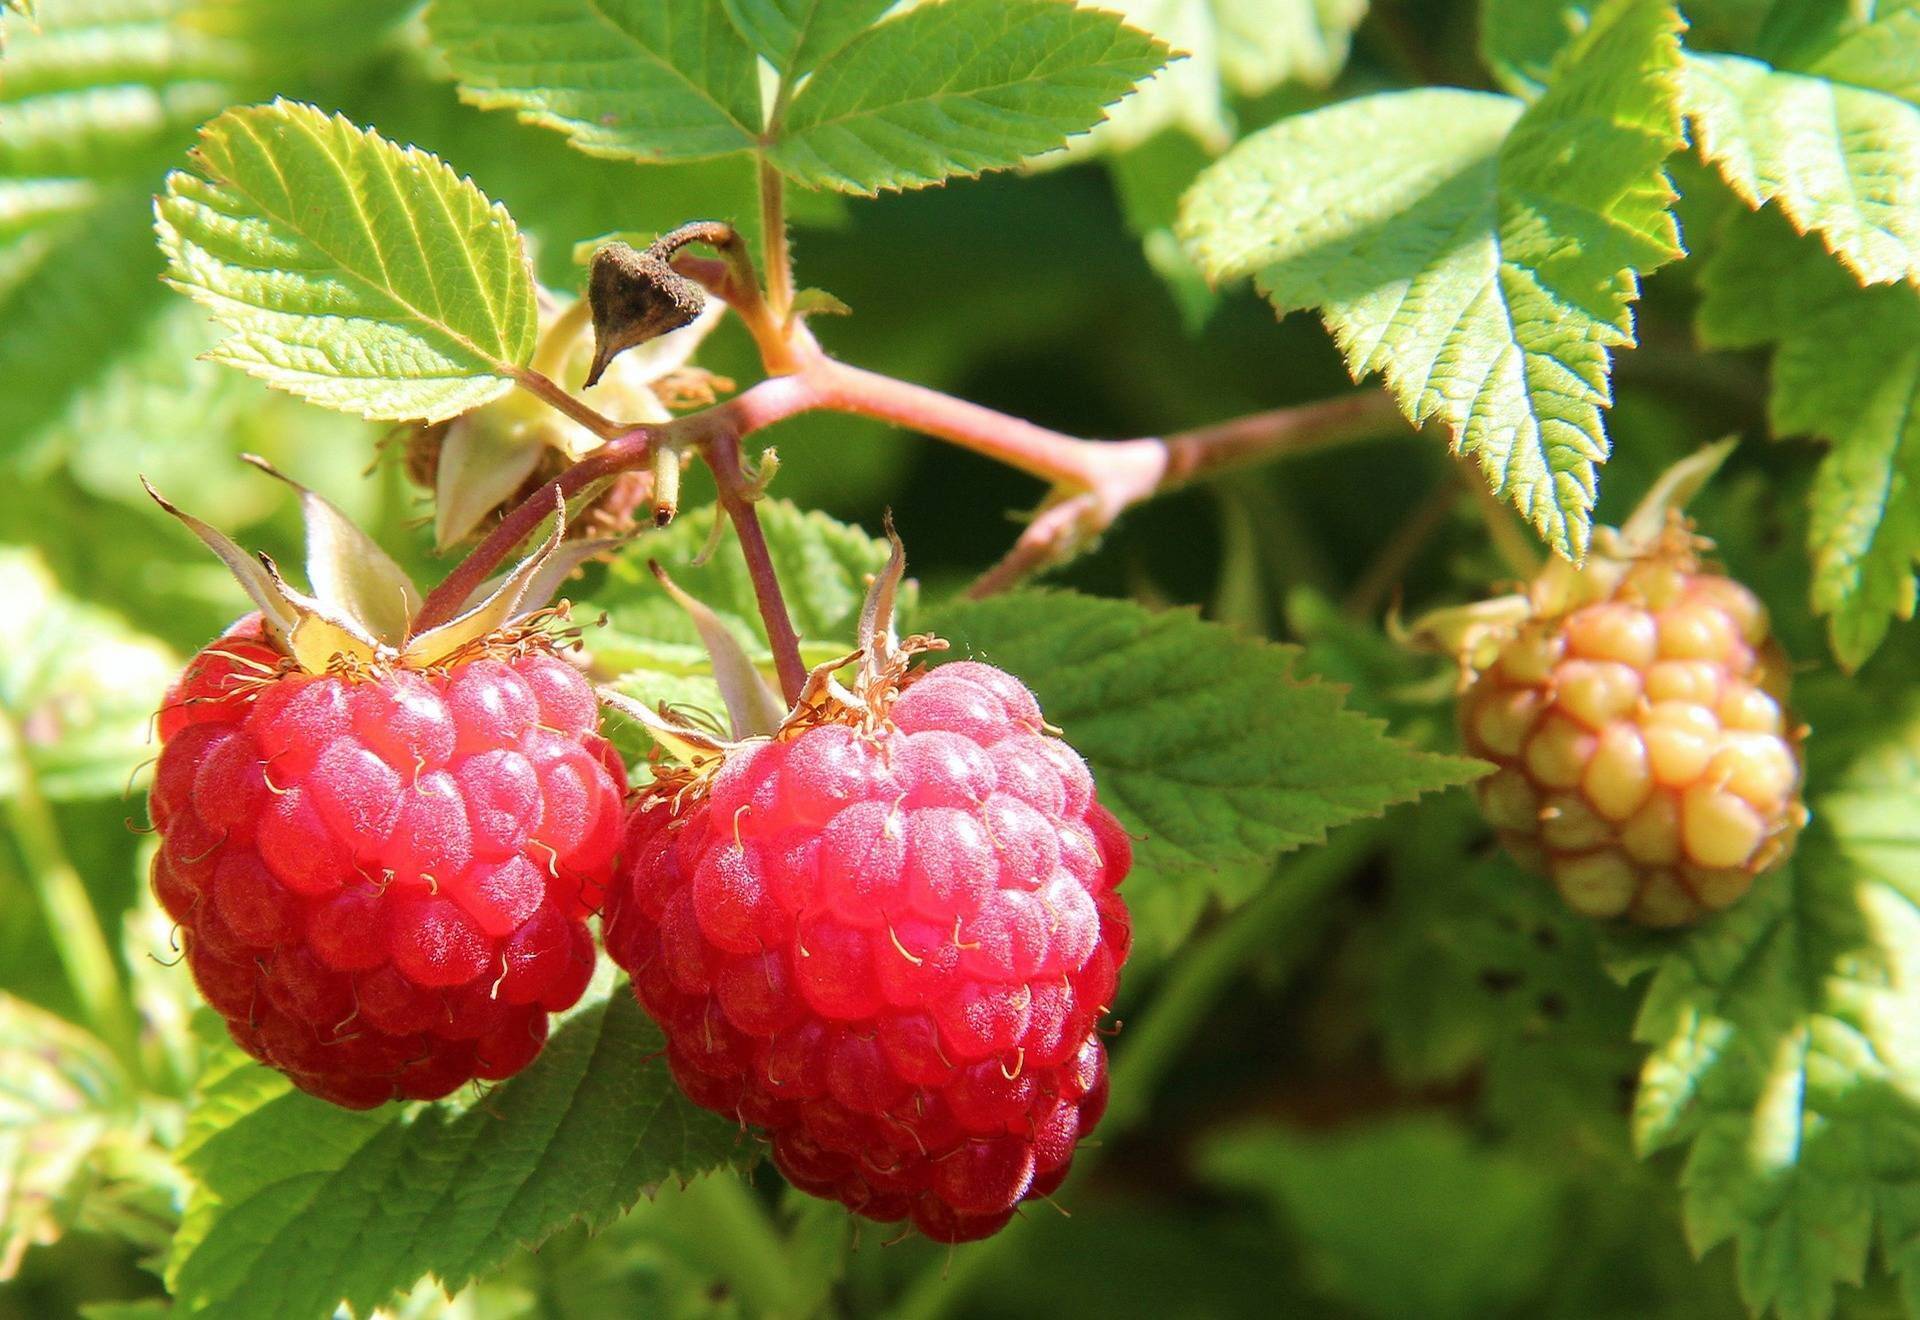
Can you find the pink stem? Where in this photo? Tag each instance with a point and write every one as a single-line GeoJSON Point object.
{"type": "Point", "coordinates": [447, 600]}
{"type": "Point", "coordinates": [723, 457]}
{"type": "Point", "coordinates": [1097, 479]}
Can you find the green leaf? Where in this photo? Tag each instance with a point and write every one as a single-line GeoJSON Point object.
{"type": "Point", "coordinates": [1483, 254]}
{"type": "Point", "coordinates": [1836, 142]}
{"type": "Point", "coordinates": [1520, 38]}
{"type": "Point", "coordinates": [94, 95]}
{"type": "Point", "coordinates": [1231, 48]}
{"type": "Point", "coordinates": [1846, 369]}
{"type": "Point", "coordinates": [655, 650]}
{"type": "Point", "coordinates": [1379, 1209]}
{"type": "Point", "coordinates": [649, 80]}
{"type": "Point", "coordinates": [1213, 753]}
{"type": "Point", "coordinates": [301, 1205]}
{"type": "Point", "coordinates": [956, 88]}
{"type": "Point", "coordinates": [795, 35]}
{"type": "Point", "coordinates": [1781, 1045]}
{"type": "Point", "coordinates": [351, 271]}
{"type": "Point", "coordinates": [78, 688]}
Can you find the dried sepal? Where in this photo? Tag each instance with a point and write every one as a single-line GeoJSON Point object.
{"type": "Point", "coordinates": [277, 614]}
{"type": "Point", "coordinates": [551, 576]}
{"type": "Point", "coordinates": [500, 608]}
{"type": "Point", "coordinates": [753, 708]}
{"type": "Point", "coordinates": [348, 571]}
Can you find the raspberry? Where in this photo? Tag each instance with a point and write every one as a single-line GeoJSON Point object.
{"type": "Point", "coordinates": [382, 874]}
{"type": "Point", "coordinates": [884, 937]}
{"type": "Point", "coordinates": [1646, 765]}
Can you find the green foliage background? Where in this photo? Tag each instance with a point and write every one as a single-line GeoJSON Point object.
{"type": "Point", "coordinates": [1384, 1075]}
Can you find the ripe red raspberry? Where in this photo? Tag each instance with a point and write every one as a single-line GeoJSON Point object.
{"type": "Point", "coordinates": [382, 875]}
{"type": "Point", "coordinates": [1646, 764]}
{"type": "Point", "coordinates": [885, 937]}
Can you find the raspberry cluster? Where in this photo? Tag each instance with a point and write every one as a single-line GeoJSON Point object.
{"type": "Point", "coordinates": [382, 878]}
{"type": "Point", "coordinates": [1646, 765]}
{"type": "Point", "coordinates": [887, 944]}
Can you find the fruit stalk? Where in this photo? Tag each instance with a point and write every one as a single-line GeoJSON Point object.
{"type": "Point", "coordinates": [723, 457]}
{"type": "Point", "coordinates": [1098, 479]}
{"type": "Point", "coordinates": [74, 926]}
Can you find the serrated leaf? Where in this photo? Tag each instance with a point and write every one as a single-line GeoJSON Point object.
{"type": "Point", "coordinates": [648, 80]}
{"type": "Point", "coordinates": [795, 35]}
{"type": "Point", "coordinates": [1846, 369]}
{"type": "Point", "coordinates": [301, 1206]}
{"type": "Point", "coordinates": [958, 87]}
{"type": "Point", "coordinates": [94, 95]}
{"type": "Point", "coordinates": [1205, 743]}
{"type": "Point", "coordinates": [1482, 254]}
{"type": "Point", "coordinates": [356, 273]}
{"type": "Point", "coordinates": [1836, 143]}
{"type": "Point", "coordinates": [1782, 1050]}
{"type": "Point", "coordinates": [1230, 48]}
{"type": "Point", "coordinates": [77, 686]}
{"type": "Point", "coordinates": [1520, 38]}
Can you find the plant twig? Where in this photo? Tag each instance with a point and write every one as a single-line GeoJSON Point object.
{"type": "Point", "coordinates": [773, 226]}
{"type": "Point", "coordinates": [723, 457]}
{"type": "Point", "coordinates": [444, 602]}
{"type": "Point", "coordinates": [72, 924]}
{"type": "Point", "coordinates": [1094, 481]}
{"type": "Point", "coordinates": [551, 393]}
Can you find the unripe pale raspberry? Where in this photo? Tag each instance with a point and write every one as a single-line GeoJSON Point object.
{"type": "Point", "coordinates": [382, 876]}
{"type": "Point", "coordinates": [886, 943]}
{"type": "Point", "coordinates": [1646, 763]}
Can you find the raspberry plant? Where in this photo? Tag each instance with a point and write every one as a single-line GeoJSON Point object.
{"type": "Point", "coordinates": [667, 888]}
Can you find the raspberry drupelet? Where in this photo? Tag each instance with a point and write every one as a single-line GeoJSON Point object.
{"type": "Point", "coordinates": [884, 937]}
{"type": "Point", "coordinates": [382, 879]}
{"type": "Point", "coordinates": [1646, 763]}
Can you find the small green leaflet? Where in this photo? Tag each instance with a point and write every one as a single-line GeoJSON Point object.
{"type": "Point", "coordinates": [301, 1206]}
{"type": "Point", "coordinates": [1230, 48]}
{"type": "Point", "coordinates": [1782, 1046]}
{"type": "Point", "coordinates": [1204, 742]}
{"type": "Point", "coordinates": [78, 688]}
{"type": "Point", "coordinates": [1483, 254]}
{"type": "Point", "coordinates": [356, 273]}
{"type": "Point", "coordinates": [795, 35]}
{"type": "Point", "coordinates": [1847, 369]}
{"type": "Point", "coordinates": [651, 80]}
{"type": "Point", "coordinates": [950, 87]}
{"type": "Point", "coordinates": [1835, 141]}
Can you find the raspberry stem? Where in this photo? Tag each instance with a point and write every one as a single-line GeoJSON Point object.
{"type": "Point", "coordinates": [779, 262]}
{"type": "Point", "coordinates": [1095, 480]}
{"type": "Point", "coordinates": [72, 923]}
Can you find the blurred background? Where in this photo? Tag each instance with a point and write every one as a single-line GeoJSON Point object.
{"type": "Point", "coordinates": [1406, 1099]}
